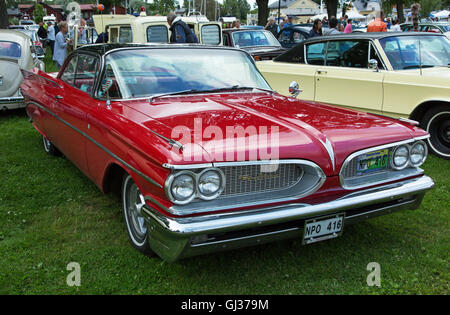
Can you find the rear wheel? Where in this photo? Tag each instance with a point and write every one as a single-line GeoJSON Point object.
{"type": "Point", "coordinates": [437, 123]}
{"type": "Point", "coordinates": [49, 147]}
{"type": "Point", "coordinates": [132, 203]}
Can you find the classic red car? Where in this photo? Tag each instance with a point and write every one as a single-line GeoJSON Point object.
{"type": "Point", "coordinates": [207, 157]}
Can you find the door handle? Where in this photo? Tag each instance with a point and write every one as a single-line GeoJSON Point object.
{"type": "Point", "coordinates": [322, 72]}
{"type": "Point", "coordinates": [58, 97]}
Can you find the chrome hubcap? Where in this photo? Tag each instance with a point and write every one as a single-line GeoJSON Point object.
{"type": "Point", "coordinates": [47, 144]}
{"type": "Point", "coordinates": [135, 201]}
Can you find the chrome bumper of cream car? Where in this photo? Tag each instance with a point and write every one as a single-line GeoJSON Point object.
{"type": "Point", "coordinates": [11, 102]}
{"type": "Point", "coordinates": [174, 238]}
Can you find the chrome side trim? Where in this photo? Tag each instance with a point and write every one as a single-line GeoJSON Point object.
{"type": "Point", "coordinates": [380, 147]}
{"type": "Point", "coordinates": [151, 181]}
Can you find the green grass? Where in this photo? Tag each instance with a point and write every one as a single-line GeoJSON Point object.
{"type": "Point", "coordinates": [51, 214]}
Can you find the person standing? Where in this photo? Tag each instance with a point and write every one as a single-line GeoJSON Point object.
{"type": "Point", "coordinates": [271, 26]}
{"type": "Point", "coordinates": [332, 30]}
{"type": "Point", "coordinates": [60, 46]}
{"type": "Point", "coordinates": [82, 38]}
{"type": "Point", "coordinates": [51, 36]}
{"type": "Point", "coordinates": [395, 26]}
{"type": "Point", "coordinates": [236, 24]}
{"type": "Point", "coordinates": [316, 29]}
{"type": "Point", "coordinates": [348, 28]}
{"type": "Point", "coordinates": [181, 33]}
{"type": "Point", "coordinates": [377, 25]}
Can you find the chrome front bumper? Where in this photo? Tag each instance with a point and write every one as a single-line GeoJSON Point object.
{"type": "Point", "coordinates": [174, 238]}
{"type": "Point", "coordinates": [11, 102]}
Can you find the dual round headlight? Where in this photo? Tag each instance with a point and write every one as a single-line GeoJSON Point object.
{"type": "Point", "coordinates": [182, 187]}
{"type": "Point", "coordinates": [413, 155]}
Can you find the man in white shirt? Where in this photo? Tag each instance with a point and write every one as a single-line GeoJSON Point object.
{"type": "Point", "coordinates": [51, 36]}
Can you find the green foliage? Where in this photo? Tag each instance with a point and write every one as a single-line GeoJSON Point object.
{"type": "Point", "coordinates": [427, 6]}
{"type": "Point", "coordinates": [38, 13]}
{"type": "Point", "coordinates": [161, 7]}
{"type": "Point", "coordinates": [237, 8]}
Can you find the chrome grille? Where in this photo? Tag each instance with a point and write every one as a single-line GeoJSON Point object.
{"type": "Point", "coordinates": [350, 169]}
{"type": "Point", "coordinates": [248, 179]}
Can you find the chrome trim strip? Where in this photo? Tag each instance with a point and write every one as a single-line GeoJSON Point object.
{"type": "Point", "coordinates": [380, 147]}
{"type": "Point", "coordinates": [99, 145]}
{"type": "Point", "coordinates": [9, 100]}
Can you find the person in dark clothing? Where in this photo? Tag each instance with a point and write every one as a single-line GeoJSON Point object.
{"type": "Point", "coordinates": [271, 26]}
{"type": "Point", "coordinates": [102, 38]}
{"type": "Point", "coordinates": [316, 29]}
{"type": "Point", "coordinates": [42, 33]}
{"type": "Point", "coordinates": [181, 33]}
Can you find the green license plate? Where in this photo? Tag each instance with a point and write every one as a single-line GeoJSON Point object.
{"type": "Point", "coordinates": [372, 162]}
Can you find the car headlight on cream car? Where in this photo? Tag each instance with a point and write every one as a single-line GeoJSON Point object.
{"type": "Point", "coordinates": [184, 186]}
{"type": "Point", "coordinates": [413, 154]}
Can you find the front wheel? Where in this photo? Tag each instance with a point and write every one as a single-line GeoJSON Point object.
{"type": "Point", "coordinates": [49, 148]}
{"type": "Point", "coordinates": [132, 203]}
{"type": "Point", "coordinates": [437, 123]}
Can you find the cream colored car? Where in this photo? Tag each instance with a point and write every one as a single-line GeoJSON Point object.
{"type": "Point", "coordinates": [154, 29]}
{"type": "Point", "coordinates": [402, 75]}
{"type": "Point", "coordinates": [17, 52]}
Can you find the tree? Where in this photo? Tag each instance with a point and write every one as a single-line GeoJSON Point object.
{"type": "Point", "coordinates": [332, 6]}
{"type": "Point", "coordinates": [263, 11]}
{"type": "Point", "coordinates": [237, 8]}
{"type": "Point", "coordinates": [38, 13]}
{"type": "Point", "coordinates": [426, 6]}
{"type": "Point", "coordinates": [162, 7]}
{"type": "Point", "coordinates": [3, 15]}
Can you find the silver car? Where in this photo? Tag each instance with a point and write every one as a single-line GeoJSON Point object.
{"type": "Point", "coordinates": [16, 53]}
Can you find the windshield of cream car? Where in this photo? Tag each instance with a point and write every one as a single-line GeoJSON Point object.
{"type": "Point", "coordinates": [412, 52]}
{"type": "Point", "coordinates": [134, 73]}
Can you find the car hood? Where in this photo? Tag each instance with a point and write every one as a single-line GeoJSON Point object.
{"type": "Point", "coordinates": [297, 129]}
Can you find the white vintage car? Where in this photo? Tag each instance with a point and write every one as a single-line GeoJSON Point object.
{"type": "Point", "coordinates": [16, 53]}
{"type": "Point", "coordinates": [402, 75]}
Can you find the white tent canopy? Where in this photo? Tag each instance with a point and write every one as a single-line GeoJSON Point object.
{"type": "Point", "coordinates": [351, 15]}
{"type": "Point", "coordinates": [441, 14]}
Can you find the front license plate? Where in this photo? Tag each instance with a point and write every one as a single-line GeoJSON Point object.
{"type": "Point", "coordinates": [324, 228]}
{"type": "Point", "coordinates": [372, 162]}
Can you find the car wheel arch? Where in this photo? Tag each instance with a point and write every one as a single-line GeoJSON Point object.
{"type": "Point", "coordinates": [419, 112]}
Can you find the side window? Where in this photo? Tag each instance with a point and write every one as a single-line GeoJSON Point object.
{"type": "Point", "coordinates": [114, 34]}
{"type": "Point", "coordinates": [110, 80]}
{"type": "Point", "coordinates": [345, 53]}
{"type": "Point", "coordinates": [157, 34]}
{"type": "Point", "coordinates": [125, 34]}
{"type": "Point", "coordinates": [374, 55]}
{"type": "Point", "coordinates": [294, 55]}
{"type": "Point", "coordinates": [211, 34]}
{"type": "Point", "coordinates": [297, 37]}
{"type": "Point", "coordinates": [68, 73]}
{"type": "Point", "coordinates": [315, 54]}
{"type": "Point", "coordinates": [87, 67]}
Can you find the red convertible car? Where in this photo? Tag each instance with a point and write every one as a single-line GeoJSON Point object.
{"type": "Point", "coordinates": [208, 157]}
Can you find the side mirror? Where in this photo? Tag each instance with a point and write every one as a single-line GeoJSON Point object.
{"type": "Point", "coordinates": [373, 64]}
{"type": "Point", "coordinates": [294, 89]}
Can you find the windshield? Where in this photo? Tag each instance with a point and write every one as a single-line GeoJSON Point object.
{"type": "Point", "coordinates": [9, 49]}
{"type": "Point", "coordinates": [146, 72]}
{"type": "Point", "coordinates": [403, 51]}
{"type": "Point", "coordinates": [254, 38]}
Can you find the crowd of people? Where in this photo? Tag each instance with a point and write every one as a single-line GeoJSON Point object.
{"type": "Point", "coordinates": [335, 26]}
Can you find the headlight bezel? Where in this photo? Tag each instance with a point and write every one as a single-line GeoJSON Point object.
{"type": "Point", "coordinates": [168, 187]}
{"type": "Point", "coordinates": [425, 154]}
{"type": "Point", "coordinates": [196, 191]}
{"type": "Point", "coordinates": [221, 186]}
{"type": "Point", "coordinates": [402, 167]}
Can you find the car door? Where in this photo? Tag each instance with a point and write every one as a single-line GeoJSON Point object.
{"type": "Point", "coordinates": [72, 106]}
{"type": "Point", "coordinates": [289, 67]}
{"type": "Point", "coordinates": [346, 80]}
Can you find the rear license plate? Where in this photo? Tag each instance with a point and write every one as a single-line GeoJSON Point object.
{"type": "Point", "coordinates": [324, 228]}
{"type": "Point", "coordinates": [372, 162]}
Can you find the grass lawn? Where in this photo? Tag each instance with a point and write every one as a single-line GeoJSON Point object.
{"type": "Point", "coordinates": [51, 214]}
